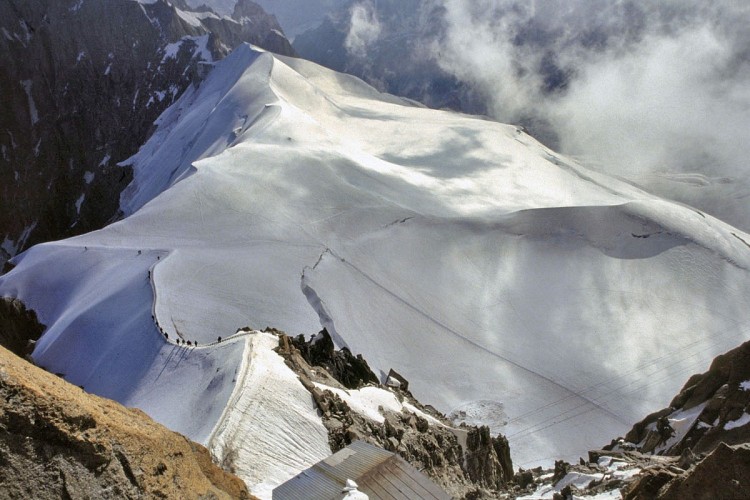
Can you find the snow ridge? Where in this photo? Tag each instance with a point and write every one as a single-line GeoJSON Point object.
{"type": "Point", "coordinates": [270, 428]}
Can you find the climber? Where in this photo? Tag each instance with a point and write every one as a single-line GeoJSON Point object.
{"type": "Point", "coordinates": [664, 428]}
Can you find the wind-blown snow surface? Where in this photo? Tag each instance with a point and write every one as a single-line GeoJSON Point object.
{"type": "Point", "coordinates": [271, 428]}
{"type": "Point", "coordinates": [458, 251]}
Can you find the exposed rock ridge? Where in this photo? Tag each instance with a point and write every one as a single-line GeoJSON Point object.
{"type": "Point", "coordinates": [350, 370]}
{"type": "Point", "coordinates": [57, 441]}
{"type": "Point", "coordinates": [712, 408]}
{"type": "Point", "coordinates": [725, 473]}
{"type": "Point", "coordinates": [466, 461]}
{"type": "Point", "coordinates": [699, 446]}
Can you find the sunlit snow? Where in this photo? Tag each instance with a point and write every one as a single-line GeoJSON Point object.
{"type": "Point", "coordinates": [459, 251]}
{"type": "Point", "coordinates": [733, 424]}
{"type": "Point", "coordinates": [270, 429]}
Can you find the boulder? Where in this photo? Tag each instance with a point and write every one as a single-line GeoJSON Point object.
{"type": "Point", "coordinates": [724, 473]}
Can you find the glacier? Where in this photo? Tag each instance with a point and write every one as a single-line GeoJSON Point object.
{"type": "Point", "coordinates": [487, 269]}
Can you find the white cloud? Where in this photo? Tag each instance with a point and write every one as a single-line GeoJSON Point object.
{"type": "Point", "coordinates": [660, 106]}
{"type": "Point", "coordinates": [633, 88]}
{"type": "Point", "coordinates": [364, 29]}
{"type": "Point", "coordinates": [630, 87]}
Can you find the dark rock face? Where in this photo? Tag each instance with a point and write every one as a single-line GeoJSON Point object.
{"type": "Point", "coordinates": [352, 371]}
{"type": "Point", "coordinates": [725, 473]}
{"type": "Point", "coordinates": [19, 327]}
{"type": "Point", "coordinates": [82, 83]}
{"type": "Point", "coordinates": [488, 460]}
{"type": "Point", "coordinates": [724, 394]}
{"type": "Point", "coordinates": [648, 484]}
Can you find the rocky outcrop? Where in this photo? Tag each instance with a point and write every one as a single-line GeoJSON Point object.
{"type": "Point", "coordinates": [256, 25]}
{"type": "Point", "coordinates": [613, 474]}
{"type": "Point", "coordinates": [19, 327]}
{"type": "Point", "coordinates": [699, 446]}
{"type": "Point", "coordinates": [82, 83]}
{"type": "Point", "coordinates": [350, 370]}
{"type": "Point", "coordinates": [466, 461]}
{"type": "Point", "coordinates": [631, 475]}
{"type": "Point", "coordinates": [487, 458]}
{"type": "Point", "coordinates": [56, 441]}
{"type": "Point", "coordinates": [724, 473]}
{"type": "Point", "coordinates": [712, 408]}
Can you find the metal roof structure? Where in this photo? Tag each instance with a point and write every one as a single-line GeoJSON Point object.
{"type": "Point", "coordinates": [380, 474]}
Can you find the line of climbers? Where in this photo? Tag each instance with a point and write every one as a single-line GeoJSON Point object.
{"type": "Point", "coordinates": [179, 341]}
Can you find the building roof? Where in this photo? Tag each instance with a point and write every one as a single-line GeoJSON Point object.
{"type": "Point", "coordinates": [380, 474]}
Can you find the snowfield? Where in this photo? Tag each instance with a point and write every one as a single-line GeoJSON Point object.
{"type": "Point", "coordinates": [488, 270]}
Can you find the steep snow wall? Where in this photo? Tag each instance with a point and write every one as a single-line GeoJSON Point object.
{"type": "Point", "coordinates": [270, 428]}
{"type": "Point", "coordinates": [553, 302]}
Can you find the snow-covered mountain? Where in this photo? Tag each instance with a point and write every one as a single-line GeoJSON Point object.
{"type": "Point", "coordinates": [295, 16]}
{"type": "Point", "coordinates": [510, 285]}
{"type": "Point", "coordinates": [389, 44]}
{"type": "Point", "coordinates": [82, 82]}
{"type": "Point", "coordinates": [650, 91]}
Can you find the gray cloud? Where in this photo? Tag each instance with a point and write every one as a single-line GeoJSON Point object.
{"type": "Point", "coordinates": [629, 87]}
{"type": "Point", "coordinates": [364, 28]}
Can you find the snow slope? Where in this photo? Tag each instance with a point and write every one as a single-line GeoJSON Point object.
{"type": "Point", "coordinates": [488, 270]}
{"type": "Point", "coordinates": [271, 428]}
{"type": "Point", "coordinates": [97, 304]}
